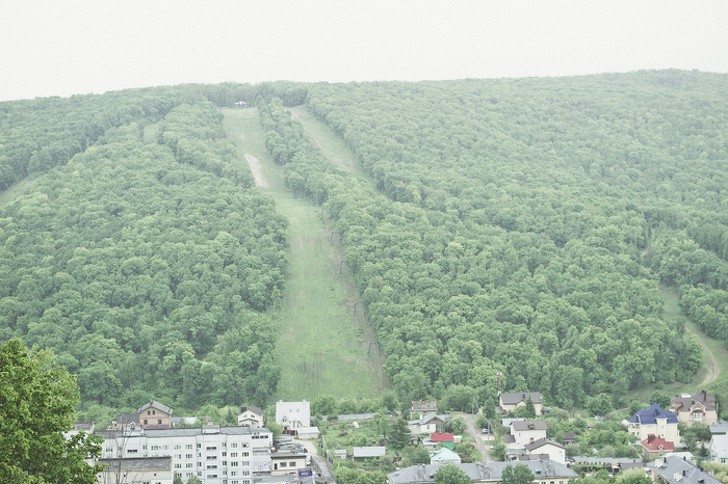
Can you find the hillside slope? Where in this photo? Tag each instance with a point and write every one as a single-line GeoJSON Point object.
{"type": "Point", "coordinates": [515, 230]}
{"type": "Point", "coordinates": [324, 343]}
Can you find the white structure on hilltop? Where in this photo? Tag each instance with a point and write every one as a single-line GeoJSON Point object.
{"type": "Point", "coordinates": [215, 455]}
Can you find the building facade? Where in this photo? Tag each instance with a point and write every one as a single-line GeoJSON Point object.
{"type": "Point", "coordinates": [654, 420]}
{"type": "Point", "coordinates": [699, 407]}
{"type": "Point", "coordinates": [215, 455]}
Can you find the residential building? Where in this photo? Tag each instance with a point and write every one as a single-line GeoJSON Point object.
{"type": "Point", "coordinates": [527, 431]}
{"type": "Point", "coordinates": [569, 438]}
{"type": "Point", "coordinates": [699, 407]}
{"type": "Point", "coordinates": [216, 455]}
{"type": "Point", "coordinates": [654, 446]}
{"type": "Point", "coordinates": [152, 470]}
{"type": "Point", "coordinates": [445, 456]}
{"type": "Point", "coordinates": [293, 415]}
{"type": "Point", "coordinates": [154, 415]}
{"type": "Point", "coordinates": [555, 451]}
{"type": "Point", "coordinates": [284, 463]}
{"type": "Point", "coordinates": [718, 449]}
{"type": "Point", "coordinates": [674, 470]}
{"type": "Point", "coordinates": [445, 440]}
{"type": "Point", "coordinates": [428, 424]}
{"type": "Point", "coordinates": [250, 417]}
{"type": "Point", "coordinates": [654, 420]}
{"type": "Point", "coordinates": [544, 471]}
{"type": "Point", "coordinates": [510, 401]}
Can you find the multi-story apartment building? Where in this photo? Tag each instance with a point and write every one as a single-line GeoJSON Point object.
{"type": "Point", "coordinates": [216, 455]}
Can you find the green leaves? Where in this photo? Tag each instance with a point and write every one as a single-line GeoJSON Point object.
{"type": "Point", "coordinates": [37, 404]}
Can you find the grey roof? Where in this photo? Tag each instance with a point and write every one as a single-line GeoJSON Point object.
{"type": "Point", "coordinates": [508, 439]}
{"type": "Point", "coordinates": [513, 398]}
{"type": "Point", "coordinates": [174, 432]}
{"type": "Point", "coordinates": [674, 469]}
{"type": "Point", "coordinates": [137, 464]}
{"type": "Point", "coordinates": [127, 418]}
{"type": "Point", "coordinates": [702, 397]}
{"type": "Point", "coordinates": [529, 425]}
{"type": "Point", "coordinates": [374, 451]}
{"type": "Point", "coordinates": [157, 405]}
{"type": "Point", "coordinates": [720, 427]}
{"type": "Point", "coordinates": [481, 471]}
{"type": "Point", "coordinates": [540, 443]}
{"type": "Point", "coordinates": [253, 409]}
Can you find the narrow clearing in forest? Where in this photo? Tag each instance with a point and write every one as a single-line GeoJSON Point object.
{"type": "Point", "coordinates": [711, 364]}
{"type": "Point", "coordinates": [324, 344]}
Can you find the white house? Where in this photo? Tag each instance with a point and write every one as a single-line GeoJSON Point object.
{"type": "Point", "coordinates": [718, 449]}
{"type": "Point", "coordinates": [554, 450]}
{"type": "Point", "coordinates": [527, 431]}
{"type": "Point", "coordinates": [445, 456]}
{"type": "Point", "coordinates": [216, 455]}
{"type": "Point", "coordinates": [428, 424]}
{"type": "Point", "coordinates": [250, 417]}
{"type": "Point", "coordinates": [293, 415]}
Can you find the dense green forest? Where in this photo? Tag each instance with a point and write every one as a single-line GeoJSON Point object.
{"type": "Point", "coordinates": [520, 226]}
{"type": "Point", "coordinates": [523, 226]}
{"type": "Point", "coordinates": [148, 262]}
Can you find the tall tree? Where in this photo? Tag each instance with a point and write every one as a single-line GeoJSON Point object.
{"type": "Point", "coordinates": [37, 404]}
{"type": "Point", "coordinates": [399, 434]}
{"type": "Point", "coordinates": [451, 474]}
{"type": "Point", "coordinates": [517, 474]}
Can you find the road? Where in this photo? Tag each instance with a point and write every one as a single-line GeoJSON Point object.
{"type": "Point", "coordinates": [474, 432]}
{"type": "Point", "coordinates": [320, 465]}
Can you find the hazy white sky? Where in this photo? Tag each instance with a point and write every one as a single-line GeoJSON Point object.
{"type": "Point", "coordinates": [68, 47]}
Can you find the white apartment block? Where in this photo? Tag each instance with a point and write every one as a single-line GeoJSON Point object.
{"type": "Point", "coordinates": [216, 455]}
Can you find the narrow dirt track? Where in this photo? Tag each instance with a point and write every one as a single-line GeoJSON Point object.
{"type": "Point", "coordinates": [712, 363]}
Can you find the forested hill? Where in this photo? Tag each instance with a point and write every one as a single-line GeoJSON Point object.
{"type": "Point", "coordinates": [520, 226]}
{"type": "Point", "coordinates": [523, 226]}
{"type": "Point", "coordinates": [140, 251]}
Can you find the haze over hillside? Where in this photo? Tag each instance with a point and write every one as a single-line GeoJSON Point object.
{"type": "Point", "coordinates": [514, 226]}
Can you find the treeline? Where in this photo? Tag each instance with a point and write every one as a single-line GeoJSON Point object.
{"type": "Point", "coordinates": [526, 154]}
{"type": "Point", "coordinates": [150, 266]}
{"type": "Point", "coordinates": [517, 223]}
{"type": "Point", "coordinates": [38, 134]}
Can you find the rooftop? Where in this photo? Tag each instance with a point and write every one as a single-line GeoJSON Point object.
{"type": "Point", "coordinates": [649, 416]}
{"type": "Point", "coordinates": [528, 425]}
{"type": "Point", "coordinates": [513, 398]}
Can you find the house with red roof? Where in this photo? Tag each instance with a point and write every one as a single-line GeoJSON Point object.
{"type": "Point", "coordinates": [654, 445]}
{"type": "Point", "coordinates": [444, 440]}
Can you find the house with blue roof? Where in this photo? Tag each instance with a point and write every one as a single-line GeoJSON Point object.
{"type": "Point", "coordinates": [655, 420]}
